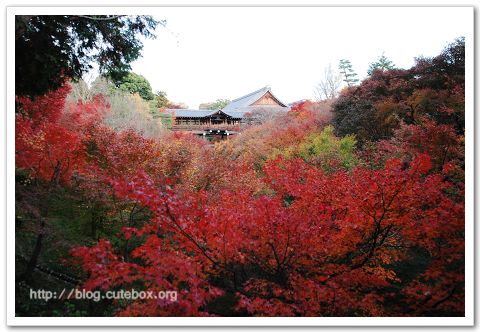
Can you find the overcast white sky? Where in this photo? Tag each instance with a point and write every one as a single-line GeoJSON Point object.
{"type": "Point", "coordinates": [208, 53]}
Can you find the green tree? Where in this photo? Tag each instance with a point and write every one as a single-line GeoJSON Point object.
{"type": "Point", "coordinates": [50, 48]}
{"type": "Point", "coordinates": [161, 100]}
{"type": "Point", "coordinates": [349, 75]}
{"type": "Point", "coordinates": [135, 83]}
{"type": "Point", "coordinates": [383, 63]}
{"type": "Point", "coordinates": [321, 148]}
{"type": "Point", "coordinates": [216, 105]}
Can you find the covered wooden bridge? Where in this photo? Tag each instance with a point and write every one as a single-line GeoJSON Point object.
{"type": "Point", "coordinates": [226, 121]}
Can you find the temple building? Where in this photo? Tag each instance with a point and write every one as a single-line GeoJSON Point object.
{"type": "Point", "coordinates": [226, 121]}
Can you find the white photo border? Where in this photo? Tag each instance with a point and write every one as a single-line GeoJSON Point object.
{"type": "Point", "coordinates": [12, 320]}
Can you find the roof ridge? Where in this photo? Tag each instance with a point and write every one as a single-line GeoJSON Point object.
{"type": "Point", "coordinates": [266, 88]}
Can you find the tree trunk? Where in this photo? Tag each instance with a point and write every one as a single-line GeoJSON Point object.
{"type": "Point", "coordinates": [93, 228]}
{"type": "Point", "coordinates": [32, 263]}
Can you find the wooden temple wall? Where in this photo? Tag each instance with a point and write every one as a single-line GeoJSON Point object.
{"type": "Point", "coordinates": [200, 124]}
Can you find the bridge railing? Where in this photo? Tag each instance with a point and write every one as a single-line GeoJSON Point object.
{"type": "Point", "coordinates": [232, 127]}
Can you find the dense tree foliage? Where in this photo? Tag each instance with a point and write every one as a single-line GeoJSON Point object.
{"type": "Point", "coordinates": [128, 111]}
{"type": "Point", "coordinates": [286, 219]}
{"type": "Point", "coordinates": [135, 83]}
{"type": "Point", "coordinates": [49, 147]}
{"type": "Point", "coordinates": [49, 49]}
{"type": "Point", "coordinates": [161, 100]}
{"type": "Point", "coordinates": [431, 90]}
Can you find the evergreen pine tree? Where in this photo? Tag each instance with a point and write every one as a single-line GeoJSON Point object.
{"type": "Point", "coordinates": [383, 63]}
{"type": "Point", "coordinates": [350, 76]}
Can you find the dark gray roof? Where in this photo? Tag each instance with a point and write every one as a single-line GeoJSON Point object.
{"type": "Point", "coordinates": [248, 100]}
{"type": "Point", "coordinates": [236, 109]}
{"type": "Point", "coordinates": [188, 113]}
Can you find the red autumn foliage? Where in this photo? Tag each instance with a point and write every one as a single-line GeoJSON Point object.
{"type": "Point", "coordinates": [439, 141]}
{"type": "Point", "coordinates": [43, 109]}
{"type": "Point", "coordinates": [321, 245]}
{"type": "Point", "coordinates": [49, 140]}
{"type": "Point", "coordinates": [271, 237]}
{"type": "Point", "coordinates": [47, 149]}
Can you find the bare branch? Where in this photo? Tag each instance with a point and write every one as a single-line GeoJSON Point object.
{"type": "Point", "coordinates": [329, 86]}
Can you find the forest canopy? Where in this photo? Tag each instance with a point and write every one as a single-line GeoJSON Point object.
{"type": "Point", "coordinates": [352, 207]}
{"type": "Point", "coordinates": [52, 48]}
